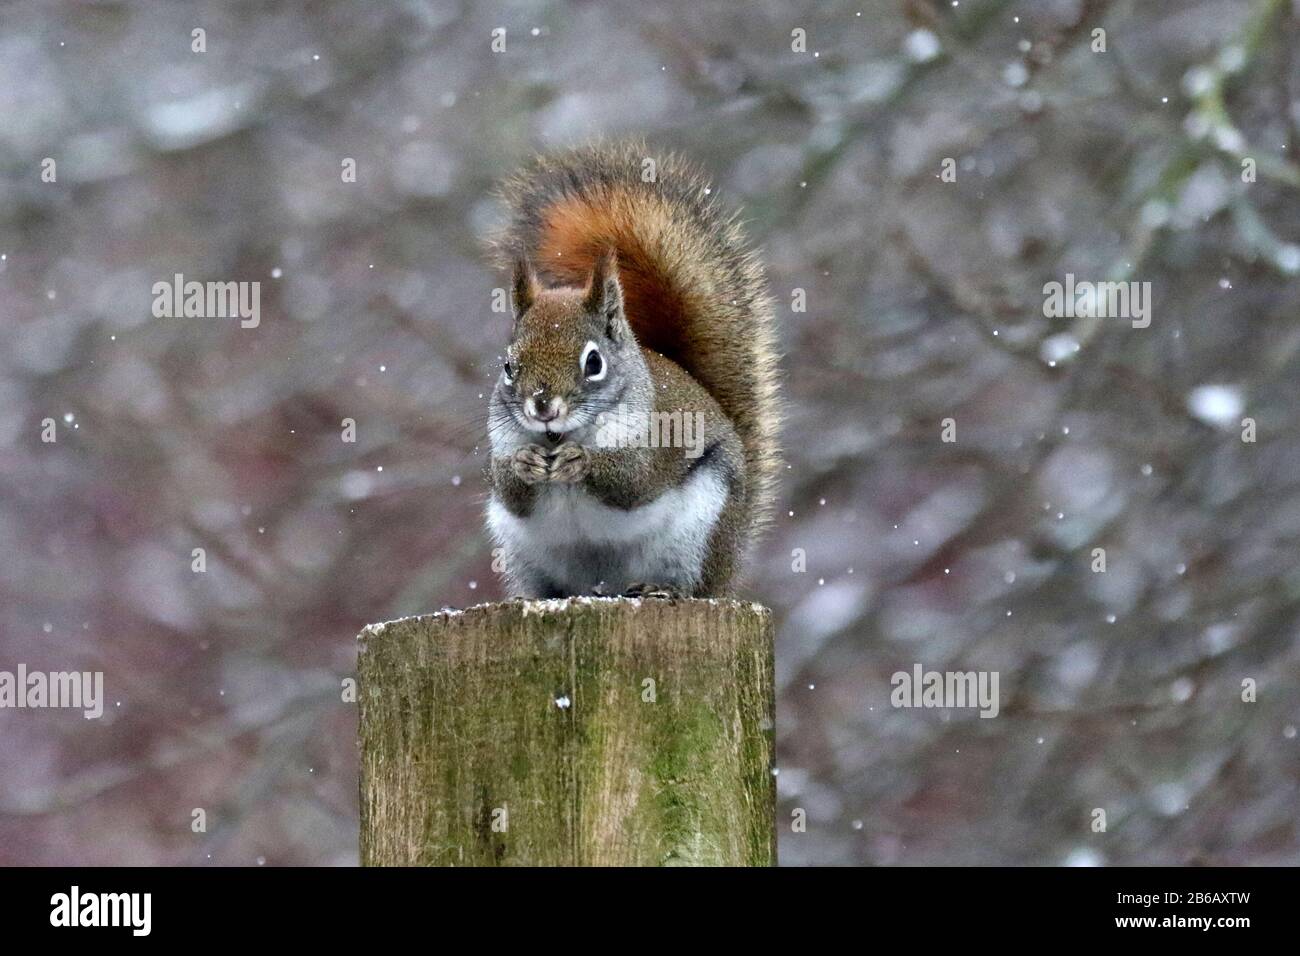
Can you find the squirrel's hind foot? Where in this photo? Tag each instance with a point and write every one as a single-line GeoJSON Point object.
{"type": "Point", "coordinates": [638, 590]}
{"type": "Point", "coordinates": [643, 590]}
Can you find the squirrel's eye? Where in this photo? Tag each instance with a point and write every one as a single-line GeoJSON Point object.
{"type": "Point", "coordinates": [509, 372]}
{"type": "Point", "coordinates": [593, 365]}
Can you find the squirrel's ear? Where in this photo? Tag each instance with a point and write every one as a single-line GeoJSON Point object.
{"type": "Point", "coordinates": [523, 288]}
{"type": "Point", "coordinates": [604, 293]}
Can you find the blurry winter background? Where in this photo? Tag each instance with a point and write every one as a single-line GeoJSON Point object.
{"type": "Point", "coordinates": [1120, 690]}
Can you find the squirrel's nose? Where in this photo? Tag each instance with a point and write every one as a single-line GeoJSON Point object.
{"type": "Point", "coordinates": [543, 409]}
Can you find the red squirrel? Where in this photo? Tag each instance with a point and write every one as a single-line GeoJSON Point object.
{"type": "Point", "coordinates": [634, 422]}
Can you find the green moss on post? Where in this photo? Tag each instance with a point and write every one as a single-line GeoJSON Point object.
{"type": "Point", "coordinates": [589, 731]}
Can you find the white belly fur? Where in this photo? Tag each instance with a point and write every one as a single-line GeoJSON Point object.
{"type": "Point", "coordinates": [574, 541]}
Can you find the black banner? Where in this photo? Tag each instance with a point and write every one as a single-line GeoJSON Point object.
{"type": "Point", "coordinates": [344, 905]}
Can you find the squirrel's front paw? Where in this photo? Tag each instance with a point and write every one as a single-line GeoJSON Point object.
{"type": "Point", "coordinates": [570, 462]}
{"type": "Point", "coordinates": [530, 464]}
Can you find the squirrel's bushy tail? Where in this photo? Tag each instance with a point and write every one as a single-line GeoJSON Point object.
{"type": "Point", "coordinates": [692, 289]}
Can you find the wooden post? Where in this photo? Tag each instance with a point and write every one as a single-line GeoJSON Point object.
{"type": "Point", "coordinates": [585, 731]}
